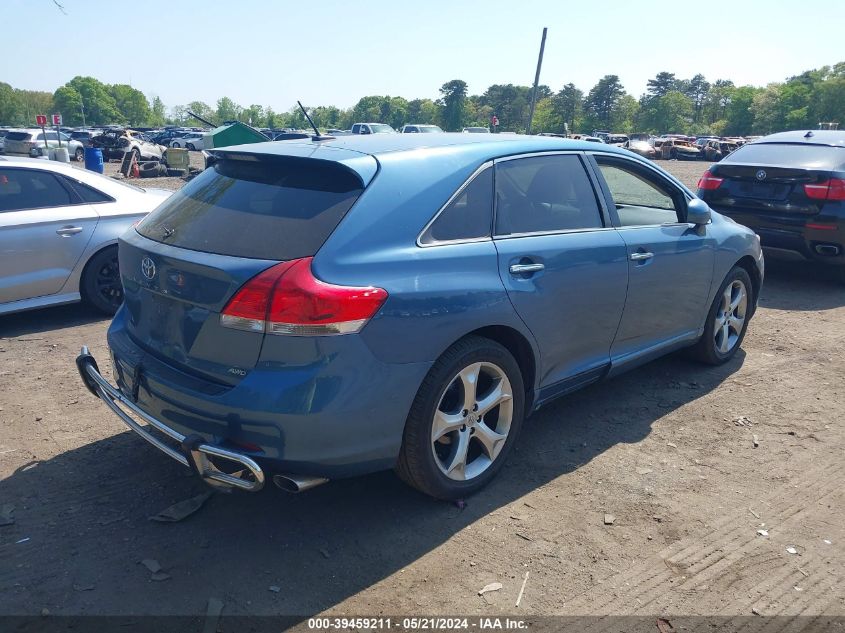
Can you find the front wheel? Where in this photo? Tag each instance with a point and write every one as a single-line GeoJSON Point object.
{"type": "Point", "coordinates": [79, 154]}
{"type": "Point", "coordinates": [727, 320]}
{"type": "Point", "coordinates": [100, 286]}
{"type": "Point", "coordinates": [464, 420]}
{"type": "Point", "coordinates": [190, 146]}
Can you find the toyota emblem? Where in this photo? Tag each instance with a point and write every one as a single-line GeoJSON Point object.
{"type": "Point", "coordinates": [148, 268]}
{"type": "Point", "coordinates": [761, 175]}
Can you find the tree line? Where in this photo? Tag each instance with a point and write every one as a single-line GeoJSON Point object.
{"type": "Point", "coordinates": [670, 104]}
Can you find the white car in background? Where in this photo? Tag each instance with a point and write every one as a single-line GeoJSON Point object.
{"type": "Point", "coordinates": [26, 142]}
{"type": "Point", "coordinates": [58, 234]}
{"type": "Point", "coordinates": [192, 141]}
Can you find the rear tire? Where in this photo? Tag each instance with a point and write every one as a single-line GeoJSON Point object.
{"type": "Point", "coordinates": [100, 285]}
{"type": "Point", "coordinates": [473, 400]}
{"type": "Point", "coordinates": [190, 146]}
{"type": "Point", "coordinates": [727, 319]}
{"type": "Point", "coordinates": [79, 154]}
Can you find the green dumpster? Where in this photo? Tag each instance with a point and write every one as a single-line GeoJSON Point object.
{"type": "Point", "coordinates": [236, 133]}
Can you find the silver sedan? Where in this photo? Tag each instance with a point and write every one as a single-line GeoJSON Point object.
{"type": "Point", "coordinates": [58, 234]}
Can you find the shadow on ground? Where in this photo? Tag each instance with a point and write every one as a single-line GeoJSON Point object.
{"type": "Point", "coordinates": [801, 286]}
{"type": "Point", "coordinates": [85, 513]}
{"type": "Point", "coordinates": [48, 319]}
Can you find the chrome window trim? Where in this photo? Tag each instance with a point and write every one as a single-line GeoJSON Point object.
{"type": "Point", "coordinates": [486, 165]}
{"type": "Point", "coordinates": [599, 199]}
{"type": "Point", "coordinates": [560, 232]}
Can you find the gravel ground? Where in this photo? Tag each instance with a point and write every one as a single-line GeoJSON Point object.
{"type": "Point", "coordinates": [692, 462]}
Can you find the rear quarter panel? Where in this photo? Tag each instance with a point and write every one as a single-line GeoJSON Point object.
{"type": "Point", "coordinates": [437, 294]}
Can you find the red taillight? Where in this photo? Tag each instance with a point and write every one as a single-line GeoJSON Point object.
{"type": "Point", "coordinates": [288, 299]}
{"type": "Point", "coordinates": [708, 181]}
{"type": "Point", "coordinates": [832, 189]}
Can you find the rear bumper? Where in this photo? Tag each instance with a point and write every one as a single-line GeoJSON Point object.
{"type": "Point", "coordinates": [797, 237]}
{"type": "Point", "coordinates": [315, 407]}
{"type": "Point", "coordinates": [194, 453]}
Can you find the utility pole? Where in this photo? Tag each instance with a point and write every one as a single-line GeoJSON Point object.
{"type": "Point", "coordinates": [536, 81]}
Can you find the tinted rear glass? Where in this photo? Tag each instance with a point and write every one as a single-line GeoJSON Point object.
{"type": "Point", "coordinates": [19, 136]}
{"type": "Point", "coordinates": [275, 208]}
{"type": "Point", "coordinates": [790, 155]}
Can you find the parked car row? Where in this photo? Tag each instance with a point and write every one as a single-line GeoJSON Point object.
{"type": "Point", "coordinates": [30, 142]}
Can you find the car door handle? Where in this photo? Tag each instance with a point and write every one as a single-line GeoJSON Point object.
{"type": "Point", "coordinates": [521, 269]}
{"type": "Point", "coordinates": [67, 231]}
{"type": "Point", "coordinates": [640, 256]}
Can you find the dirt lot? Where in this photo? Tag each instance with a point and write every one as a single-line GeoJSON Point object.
{"type": "Point", "coordinates": [668, 450]}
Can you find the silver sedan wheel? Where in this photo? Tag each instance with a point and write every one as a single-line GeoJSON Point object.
{"type": "Point", "coordinates": [472, 421]}
{"type": "Point", "coordinates": [730, 317]}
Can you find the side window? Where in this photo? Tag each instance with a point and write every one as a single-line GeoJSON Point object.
{"type": "Point", "coordinates": [468, 216]}
{"type": "Point", "coordinates": [52, 136]}
{"type": "Point", "coordinates": [639, 198]}
{"type": "Point", "coordinates": [88, 194]}
{"type": "Point", "coordinates": [30, 189]}
{"type": "Point", "coordinates": [544, 194]}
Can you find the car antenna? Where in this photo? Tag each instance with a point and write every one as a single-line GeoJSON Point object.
{"type": "Point", "coordinates": [317, 136]}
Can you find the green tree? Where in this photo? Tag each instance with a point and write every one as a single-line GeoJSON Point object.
{"type": "Point", "coordinates": [202, 109]}
{"type": "Point", "coordinates": [602, 102]}
{"type": "Point", "coordinates": [568, 106]}
{"type": "Point", "coordinates": [509, 103]}
{"type": "Point", "coordinates": [697, 89]}
{"type": "Point", "coordinates": [767, 110]}
{"type": "Point", "coordinates": [227, 110]}
{"type": "Point", "coordinates": [100, 106]}
{"type": "Point", "coordinates": [158, 113]}
{"type": "Point", "coordinates": [131, 103]}
{"type": "Point", "coordinates": [739, 115]}
{"type": "Point", "coordinates": [453, 96]}
{"type": "Point", "coordinates": [661, 84]}
{"type": "Point", "coordinates": [68, 102]}
{"type": "Point", "coordinates": [9, 105]}
{"type": "Point", "coordinates": [423, 111]}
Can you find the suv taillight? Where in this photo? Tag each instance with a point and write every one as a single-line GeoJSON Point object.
{"type": "Point", "coordinates": [832, 189]}
{"type": "Point", "coordinates": [288, 299]}
{"type": "Point", "coordinates": [709, 182]}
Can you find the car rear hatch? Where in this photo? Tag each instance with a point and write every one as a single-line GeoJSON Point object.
{"type": "Point", "coordinates": [186, 261]}
{"type": "Point", "coordinates": [18, 143]}
{"type": "Point", "coordinates": [770, 178]}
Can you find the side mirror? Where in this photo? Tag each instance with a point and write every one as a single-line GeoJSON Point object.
{"type": "Point", "coordinates": [698, 212]}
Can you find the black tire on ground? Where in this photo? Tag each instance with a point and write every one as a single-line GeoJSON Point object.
{"type": "Point", "coordinates": [706, 350]}
{"type": "Point", "coordinates": [417, 464]}
{"type": "Point", "coordinates": [149, 170]}
{"type": "Point", "coordinates": [190, 146]}
{"type": "Point", "coordinates": [79, 154]}
{"type": "Point", "coordinates": [100, 286]}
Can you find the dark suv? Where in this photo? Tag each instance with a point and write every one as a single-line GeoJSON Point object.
{"type": "Point", "coordinates": [789, 188]}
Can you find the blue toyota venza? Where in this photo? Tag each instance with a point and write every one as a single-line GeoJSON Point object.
{"type": "Point", "coordinates": [320, 308]}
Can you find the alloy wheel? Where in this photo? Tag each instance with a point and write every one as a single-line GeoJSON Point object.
{"type": "Point", "coordinates": [107, 282]}
{"type": "Point", "coordinates": [730, 317]}
{"type": "Point", "coordinates": [472, 421]}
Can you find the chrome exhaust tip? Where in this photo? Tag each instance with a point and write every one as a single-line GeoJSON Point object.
{"type": "Point", "coordinates": [296, 483]}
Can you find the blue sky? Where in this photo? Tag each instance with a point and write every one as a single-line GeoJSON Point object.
{"type": "Point", "coordinates": [273, 52]}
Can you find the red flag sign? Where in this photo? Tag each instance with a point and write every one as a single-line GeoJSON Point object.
{"type": "Point", "coordinates": [41, 120]}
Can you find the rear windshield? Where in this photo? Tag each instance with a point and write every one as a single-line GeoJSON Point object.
{"type": "Point", "coordinates": [276, 208]}
{"type": "Point", "coordinates": [19, 136]}
{"type": "Point", "coordinates": [790, 155]}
